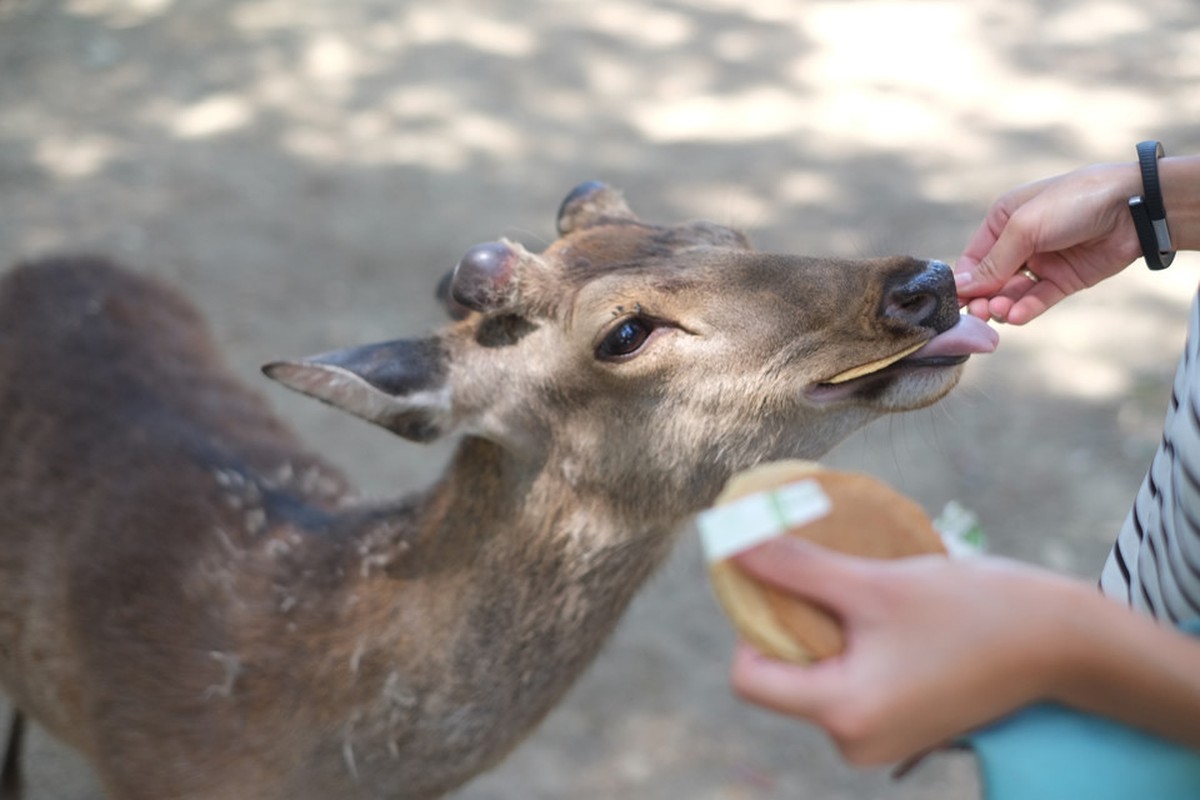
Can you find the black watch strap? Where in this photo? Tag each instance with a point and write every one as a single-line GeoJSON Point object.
{"type": "Point", "coordinates": [1149, 215]}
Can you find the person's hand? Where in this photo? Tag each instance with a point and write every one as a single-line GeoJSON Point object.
{"type": "Point", "coordinates": [1071, 232]}
{"type": "Point", "coordinates": [934, 646]}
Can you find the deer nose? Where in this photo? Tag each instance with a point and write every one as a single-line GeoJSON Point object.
{"type": "Point", "coordinates": [926, 299]}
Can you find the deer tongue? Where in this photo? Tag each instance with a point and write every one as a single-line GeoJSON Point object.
{"type": "Point", "coordinates": [969, 335]}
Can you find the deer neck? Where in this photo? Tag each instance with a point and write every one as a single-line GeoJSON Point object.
{"type": "Point", "coordinates": [544, 556]}
{"type": "Point", "coordinates": [482, 623]}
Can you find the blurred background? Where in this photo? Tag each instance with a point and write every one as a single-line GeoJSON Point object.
{"type": "Point", "coordinates": [306, 171]}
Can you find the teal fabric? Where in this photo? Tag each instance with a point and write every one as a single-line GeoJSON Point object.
{"type": "Point", "coordinates": [1049, 752]}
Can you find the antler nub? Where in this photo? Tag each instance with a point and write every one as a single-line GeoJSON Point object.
{"type": "Point", "coordinates": [481, 279]}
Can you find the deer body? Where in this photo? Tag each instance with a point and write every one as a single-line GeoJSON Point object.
{"type": "Point", "coordinates": [206, 611]}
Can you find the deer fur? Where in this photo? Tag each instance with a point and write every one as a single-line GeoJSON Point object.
{"type": "Point", "coordinates": [204, 609]}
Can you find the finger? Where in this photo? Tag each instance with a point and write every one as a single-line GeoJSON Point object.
{"type": "Point", "coordinates": [1000, 305]}
{"type": "Point", "coordinates": [806, 570]}
{"type": "Point", "coordinates": [998, 247]}
{"type": "Point", "coordinates": [978, 307]}
{"type": "Point", "coordinates": [1034, 303]}
{"type": "Point", "coordinates": [1024, 298]}
{"type": "Point", "coordinates": [780, 686]}
{"type": "Point", "coordinates": [1012, 248]}
{"type": "Point", "coordinates": [978, 245]}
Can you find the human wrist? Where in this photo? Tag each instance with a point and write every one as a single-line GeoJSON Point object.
{"type": "Point", "coordinates": [1179, 177]}
{"type": "Point", "coordinates": [1102, 656]}
{"type": "Point", "coordinates": [1066, 645]}
{"type": "Point", "coordinates": [1049, 639]}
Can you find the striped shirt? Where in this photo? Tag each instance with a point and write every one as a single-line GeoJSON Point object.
{"type": "Point", "coordinates": [1155, 564]}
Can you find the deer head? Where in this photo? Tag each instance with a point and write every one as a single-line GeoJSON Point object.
{"type": "Point", "coordinates": [638, 358]}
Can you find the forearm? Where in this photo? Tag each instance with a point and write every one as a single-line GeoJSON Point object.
{"type": "Point", "coordinates": [1129, 667]}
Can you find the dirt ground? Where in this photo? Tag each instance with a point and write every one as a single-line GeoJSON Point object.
{"type": "Point", "coordinates": [307, 170]}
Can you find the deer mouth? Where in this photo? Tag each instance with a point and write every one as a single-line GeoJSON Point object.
{"type": "Point", "coordinates": [950, 348]}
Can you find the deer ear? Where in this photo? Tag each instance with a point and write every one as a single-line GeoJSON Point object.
{"type": "Point", "coordinates": [591, 203]}
{"type": "Point", "coordinates": [399, 385]}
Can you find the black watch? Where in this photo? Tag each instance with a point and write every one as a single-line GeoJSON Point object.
{"type": "Point", "coordinates": [1149, 216]}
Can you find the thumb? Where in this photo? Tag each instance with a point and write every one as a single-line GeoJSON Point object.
{"type": "Point", "coordinates": [1012, 248]}
{"type": "Point", "coordinates": [806, 570]}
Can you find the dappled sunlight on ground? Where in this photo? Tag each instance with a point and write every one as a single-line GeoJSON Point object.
{"type": "Point", "coordinates": [952, 91]}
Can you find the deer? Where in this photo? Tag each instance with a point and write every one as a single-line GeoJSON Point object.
{"type": "Point", "coordinates": [206, 610]}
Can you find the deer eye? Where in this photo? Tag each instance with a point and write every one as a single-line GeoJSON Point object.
{"type": "Point", "coordinates": [625, 339]}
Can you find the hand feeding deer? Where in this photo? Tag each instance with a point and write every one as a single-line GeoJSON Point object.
{"type": "Point", "coordinates": [202, 608]}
